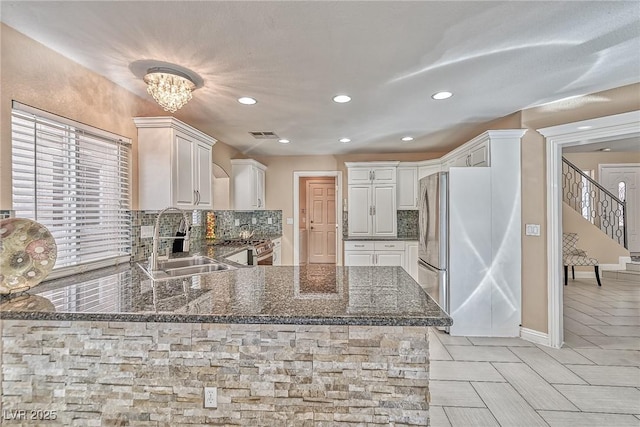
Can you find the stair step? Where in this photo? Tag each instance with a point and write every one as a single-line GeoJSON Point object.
{"type": "Point", "coordinates": [633, 266]}
{"type": "Point", "coordinates": [628, 275]}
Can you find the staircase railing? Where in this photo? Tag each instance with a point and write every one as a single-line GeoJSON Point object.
{"type": "Point", "coordinates": [594, 202]}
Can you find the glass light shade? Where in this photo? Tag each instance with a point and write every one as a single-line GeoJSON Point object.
{"type": "Point", "coordinates": [170, 88]}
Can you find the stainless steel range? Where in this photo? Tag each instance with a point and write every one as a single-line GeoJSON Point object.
{"type": "Point", "coordinates": [261, 250]}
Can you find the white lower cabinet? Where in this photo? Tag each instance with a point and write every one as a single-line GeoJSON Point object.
{"type": "Point", "coordinates": [411, 259]}
{"type": "Point", "coordinates": [369, 253]}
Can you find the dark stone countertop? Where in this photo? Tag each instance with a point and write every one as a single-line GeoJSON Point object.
{"type": "Point", "coordinates": [305, 295]}
{"type": "Point", "coordinates": [398, 238]}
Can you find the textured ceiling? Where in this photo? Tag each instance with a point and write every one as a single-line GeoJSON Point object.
{"type": "Point", "coordinates": [390, 57]}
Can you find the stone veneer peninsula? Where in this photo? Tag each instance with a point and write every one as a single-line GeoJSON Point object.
{"type": "Point", "coordinates": [285, 346]}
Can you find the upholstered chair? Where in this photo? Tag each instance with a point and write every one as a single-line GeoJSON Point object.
{"type": "Point", "coordinates": [572, 256]}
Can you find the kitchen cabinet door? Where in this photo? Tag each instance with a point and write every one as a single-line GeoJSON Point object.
{"type": "Point", "coordinates": [358, 258]}
{"type": "Point", "coordinates": [360, 210]}
{"type": "Point", "coordinates": [407, 188]}
{"type": "Point", "coordinates": [203, 177]}
{"type": "Point", "coordinates": [411, 259]}
{"type": "Point", "coordinates": [384, 210]}
{"type": "Point", "coordinates": [248, 177]}
{"type": "Point", "coordinates": [184, 191]}
{"type": "Point", "coordinates": [389, 258]}
{"type": "Point", "coordinates": [479, 155]}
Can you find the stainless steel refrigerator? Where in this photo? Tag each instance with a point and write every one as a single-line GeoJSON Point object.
{"type": "Point", "coordinates": [455, 247]}
{"type": "Point", "coordinates": [433, 253]}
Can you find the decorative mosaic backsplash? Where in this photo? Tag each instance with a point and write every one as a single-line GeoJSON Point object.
{"type": "Point", "coordinates": [407, 223]}
{"type": "Point", "coordinates": [226, 228]}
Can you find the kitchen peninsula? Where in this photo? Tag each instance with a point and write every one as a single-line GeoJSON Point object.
{"type": "Point", "coordinates": [309, 345]}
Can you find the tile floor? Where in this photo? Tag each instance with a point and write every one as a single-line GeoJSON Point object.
{"type": "Point", "coordinates": [594, 380]}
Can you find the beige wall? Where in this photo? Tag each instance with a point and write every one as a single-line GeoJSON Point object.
{"type": "Point", "coordinates": [592, 161]}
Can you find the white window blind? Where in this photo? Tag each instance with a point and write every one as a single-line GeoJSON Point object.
{"type": "Point", "coordinates": [74, 179]}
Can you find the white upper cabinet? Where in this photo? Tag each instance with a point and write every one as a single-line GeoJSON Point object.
{"type": "Point", "coordinates": [372, 173]}
{"type": "Point", "coordinates": [474, 153]}
{"type": "Point", "coordinates": [407, 187]}
{"type": "Point", "coordinates": [248, 183]}
{"type": "Point", "coordinates": [174, 165]}
{"type": "Point", "coordinates": [372, 199]}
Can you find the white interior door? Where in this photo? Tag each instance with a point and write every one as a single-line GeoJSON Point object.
{"type": "Point", "coordinates": [322, 222]}
{"type": "Point", "coordinates": [624, 182]}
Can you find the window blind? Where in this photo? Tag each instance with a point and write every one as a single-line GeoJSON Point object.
{"type": "Point", "coordinates": [73, 179]}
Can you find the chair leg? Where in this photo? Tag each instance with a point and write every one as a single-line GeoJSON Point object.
{"type": "Point", "coordinates": [597, 268]}
{"type": "Point", "coordinates": [566, 273]}
{"type": "Point", "coordinates": [573, 273]}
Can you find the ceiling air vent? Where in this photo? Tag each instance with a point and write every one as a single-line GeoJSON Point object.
{"type": "Point", "coordinates": [264, 135]}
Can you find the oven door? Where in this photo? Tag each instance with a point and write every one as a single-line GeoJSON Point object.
{"type": "Point", "coordinates": [265, 258]}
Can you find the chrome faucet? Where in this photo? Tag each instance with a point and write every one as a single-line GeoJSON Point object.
{"type": "Point", "coordinates": [153, 259]}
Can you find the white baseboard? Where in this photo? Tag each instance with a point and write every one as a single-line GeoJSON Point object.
{"type": "Point", "coordinates": [535, 337]}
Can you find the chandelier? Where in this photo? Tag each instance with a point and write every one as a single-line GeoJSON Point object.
{"type": "Point", "coordinates": [170, 88]}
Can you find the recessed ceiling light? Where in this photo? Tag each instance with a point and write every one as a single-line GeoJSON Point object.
{"type": "Point", "coordinates": [407, 138]}
{"type": "Point", "coordinates": [584, 127]}
{"type": "Point", "coordinates": [442, 95]}
{"type": "Point", "coordinates": [605, 149]}
{"type": "Point", "coordinates": [341, 99]}
{"type": "Point", "coordinates": [246, 100]}
{"type": "Point", "coordinates": [284, 141]}
{"type": "Point", "coordinates": [345, 140]}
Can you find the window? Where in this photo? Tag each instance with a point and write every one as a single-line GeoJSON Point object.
{"type": "Point", "coordinates": [73, 179]}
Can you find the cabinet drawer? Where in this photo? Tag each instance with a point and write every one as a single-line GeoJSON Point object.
{"type": "Point", "coordinates": [388, 246]}
{"type": "Point", "coordinates": [358, 246]}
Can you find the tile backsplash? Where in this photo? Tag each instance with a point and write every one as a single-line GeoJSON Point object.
{"type": "Point", "coordinates": [226, 228]}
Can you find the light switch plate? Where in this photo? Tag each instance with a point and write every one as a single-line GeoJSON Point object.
{"type": "Point", "coordinates": [254, 221]}
{"type": "Point", "coordinates": [269, 220]}
{"type": "Point", "coordinates": [237, 222]}
{"type": "Point", "coordinates": [289, 221]}
{"type": "Point", "coordinates": [532, 229]}
{"type": "Point", "coordinates": [146, 231]}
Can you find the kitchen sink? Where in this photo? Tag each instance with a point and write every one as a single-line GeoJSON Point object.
{"type": "Point", "coordinates": [183, 267]}
{"type": "Point", "coordinates": [195, 261]}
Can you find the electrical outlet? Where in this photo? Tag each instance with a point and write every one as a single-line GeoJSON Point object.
{"type": "Point", "coordinates": [211, 397]}
{"type": "Point", "coordinates": [146, 231]}
{"type": "Point", "coordinates": [237, 222]}
{"type": "Point", "coordinates": [254, 221]}
{"type": "Point", "coordinates": [269, 220]}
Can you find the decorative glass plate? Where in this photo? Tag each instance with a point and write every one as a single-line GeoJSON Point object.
{"type": "Point", "coordinates": [27, 254]}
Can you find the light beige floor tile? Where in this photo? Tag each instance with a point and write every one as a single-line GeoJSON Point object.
{"type": "Point", "coordinates": [620, 320]}
{"type": "Point", "coordinates": [611, 357]}
{"type": "Point", "coordinates": [454, 393]}
{"type": "Point", "coordinates": [615, 343]}
{"type": "Point", "coordinates": [507, 406]}
{"type": "Point", "coordinates": [500, 341]}
{"type": "Point", "coordinates": [575, 341]}
{"type": "Point", "coordinates": [621, 311]}
{"type": "Point", "coordinates": [436, 349]}
{"type": "Point", "coordinates": [581, 317]}
{"type": "Point", "coordinates": [584, 308]}
{"type": "Point", "coordinates": [481, 353]}
{"type": "Point", "coordinates": [546, 366]}
{"type": "Point", "coordinates": [626, 376]}
{"type": "Point", "coordinates": [447, 339]}
{"type": "Point", "coordinates": [617, 331]}
{"type": "Point", "coordinates": [437, 417]}
{"type": "Point", "coordinates": [566, 355]}
{"type": "Point", "coordinates": [465, 417]}
{"type": "Point", "coordinates": [463, 371]}
{"type": "Point", "coordinates": [578, 328]}
{"type": "Point", "coordinates": [588, 419]}
{"type": "Point", "coordinates": [615, 400]}
{"type": "Point", "coordinates": [535, 390]}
